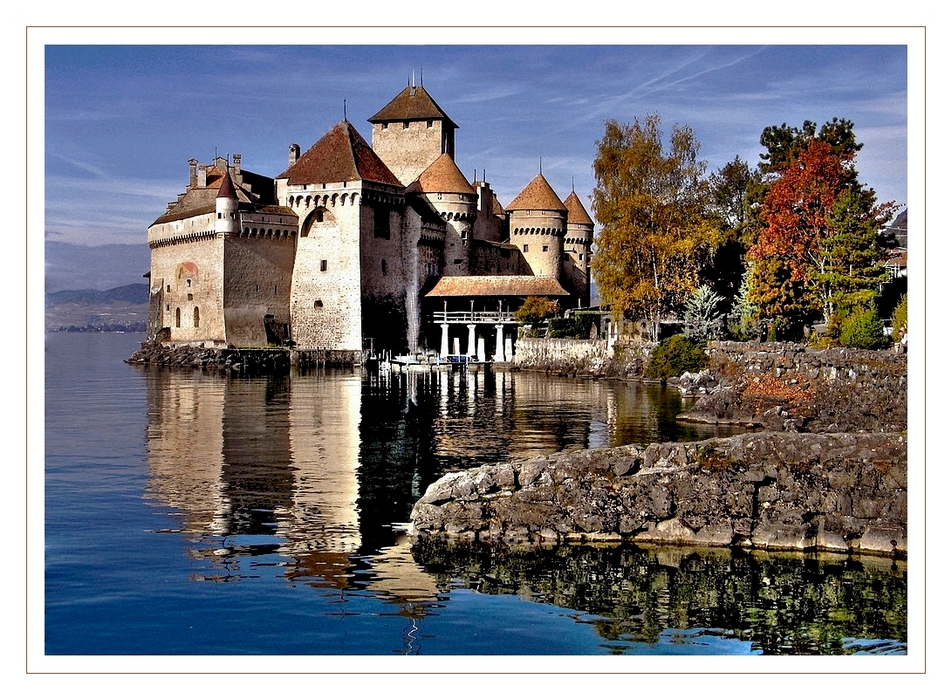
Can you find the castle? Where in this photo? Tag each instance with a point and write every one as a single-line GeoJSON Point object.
{"type": "Point", "coordinates": [356, 247]}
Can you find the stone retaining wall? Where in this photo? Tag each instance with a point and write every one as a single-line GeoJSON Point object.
{"type": "Point", "coordinates": [767, 490]}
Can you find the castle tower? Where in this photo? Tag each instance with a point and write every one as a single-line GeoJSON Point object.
{"type": "Point", "coordinates": [349, 281]}
{"type": "Point", "coordinates": [576, 269]}
{"type": "Point", "coordinates": [537, 225]}
{"type": "Point", "coordinates": [448, 192]}
{"type": "Point", "coordinates": [411, 132]}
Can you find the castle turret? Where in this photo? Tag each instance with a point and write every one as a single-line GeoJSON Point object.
{"type": "Point", "coordinates": [226, 207]}
{"type": "Point", "coordinates": [447, 191]}
{"type": "Point", "coordinates": [578, 249]}
{"type": "Point", "coordinates": [537, 224]}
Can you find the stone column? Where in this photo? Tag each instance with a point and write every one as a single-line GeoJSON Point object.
{"type": "Point", "coordinates": [471, 340]}
{"type": "Point", "coordinates": [481, 349]}
{"type": "Point", "coordinates": [500, 353]}
{"type": "Point", "coordinates": [444, 339]}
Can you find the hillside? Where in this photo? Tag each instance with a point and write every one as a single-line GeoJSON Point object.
{"type": "Point", "coordinates": [124, 308]}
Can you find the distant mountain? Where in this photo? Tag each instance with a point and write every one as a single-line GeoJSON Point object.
{"type": "Point", "coordinates": [70, 266]}
{"type": "Point", "coordinates": [131, 293]}
{"type": "Point", "coordinates": [124, 308]}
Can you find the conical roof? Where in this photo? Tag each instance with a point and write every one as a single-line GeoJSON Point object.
{"type": "Point", "coordinates": [412, 104]}
{"type": "Point", "coordinates": [577, 213]}
{"type": "Point", "coordinates": [227, 188]}
{"type": "Point", "coordinates": [443, 175]}
{"type": "Point", "coordinates": [538, 194]}
{"type": "Point", "coordinates": [342, 155]}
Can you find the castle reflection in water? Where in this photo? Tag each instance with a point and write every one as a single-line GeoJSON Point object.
{"type": "Point", "coordinates": [315, 468]}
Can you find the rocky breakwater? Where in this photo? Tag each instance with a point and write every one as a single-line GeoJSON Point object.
{"type": "Point", "coordinates": [842, 492]}
{"type": "Point", "coordinates": [200, 356]}
{"type": "Point", "coordinates": [272, 360]}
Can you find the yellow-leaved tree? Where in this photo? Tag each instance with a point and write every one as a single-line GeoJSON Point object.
{"type": "Point", "coordinates": [657, 226]}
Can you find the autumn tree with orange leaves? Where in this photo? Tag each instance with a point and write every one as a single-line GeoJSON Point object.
{"type": "Point", "coordinates": [815, 254]}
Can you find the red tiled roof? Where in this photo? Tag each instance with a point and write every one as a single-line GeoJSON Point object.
{"type": "Point", "coordinates": [342, 155]}
{"type": "Point", "coordinates": [442, 175]}
{"type": "Point", "coordinates": [412, 104]}
{"type": "Point", "coordinates": [577, 213]}
{"type": "Point", "coordinates": [538, 194]}
{"type": "Point", "coordinates": [498, 286]}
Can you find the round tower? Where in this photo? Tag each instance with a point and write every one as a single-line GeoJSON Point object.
{"type": "Point", "coordinates": [578, 250]}
{"type": "Point", "coordinates": [226, 207]}
{"type": "Point", "coordinates": [455, 201]}
{"type": "Point", "coordinates": [537, 224]}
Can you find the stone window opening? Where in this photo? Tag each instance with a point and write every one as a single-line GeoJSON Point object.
{"type": "Point", "coordinates": [318, 304]}
{"type": "Point", "coordinates": [323, 266]}
{"type": "Point", "coordinates": [188, 283]}
{"type": "Point", "coordinates": [525, 247]}
{"type": "Point", "coordinates": [178, 317]}
{"type": "Point", "coordinates": [383, 267]}
{"type": "Point", "coordinates": [195, 317]}
{"type": "Point", "coordinates": [545, 249]}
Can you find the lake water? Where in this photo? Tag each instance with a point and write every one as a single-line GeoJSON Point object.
{"type": "Point", "coordinates": [197, 514]}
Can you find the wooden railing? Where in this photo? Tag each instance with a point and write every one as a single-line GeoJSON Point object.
{"type": "Point", "coordinates": [473, 317]}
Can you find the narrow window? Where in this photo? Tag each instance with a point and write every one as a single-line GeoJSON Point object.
{"type": "Point", "coordinates": [429, 123]}
{"type": "Point", "coordinates": [545, 249]}
{"type": "Point", "coordinates": [190, 297]}
{"type": "Point", "coordinates": [323, 266]}
{"type": "Point", "coordinates": [195, 317]}
{"type": "Point", "coordinates": [318, 304]}
{"type": "Point", "coordinates": [383, 267]}
{"type": "Point", "coordinates": [168, 287]}
{"type": "Point", "coordinates": [188, 283]}
{"type": "Point", "coordinates": [178, 317]}
{"type": "Point", "coordinates": [525, 248]}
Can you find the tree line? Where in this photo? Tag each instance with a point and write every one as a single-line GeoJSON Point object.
{"type": "Point", "coordinates": [773, 251]}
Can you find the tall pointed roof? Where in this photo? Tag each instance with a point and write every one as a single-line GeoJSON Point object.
{"type": "Point", "coordinates": [577, 213]}
{"type": "Point", "coordinates": [342, 155]}
{"type": "Point", "coordinates": [443, 175]}
{"type": "Point", "coordinates": [412, 104]}
{"type": "Point", "coordinates": [538, 194]}
{"type": "Point", "coordinates": [227, 188]}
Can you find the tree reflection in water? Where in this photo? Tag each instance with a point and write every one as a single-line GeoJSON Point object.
{"type": "Point", "coordinates": [781, 603]}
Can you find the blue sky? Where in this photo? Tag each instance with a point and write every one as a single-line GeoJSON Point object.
{"type": "Point", "coordinates": [121, 121]}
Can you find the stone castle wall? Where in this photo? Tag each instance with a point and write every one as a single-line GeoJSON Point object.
{"type": "Point", "coordinates": [325, 291]}
{"type": "Point", "coordinates": [190, 276]}
{"type": "Point", "coordinates": [257, 287]}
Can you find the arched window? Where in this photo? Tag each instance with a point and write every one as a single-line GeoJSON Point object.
{"type": "Point", "coordinates": [195, 317]}
{"type": "Point", "coordinates": [178, 317]}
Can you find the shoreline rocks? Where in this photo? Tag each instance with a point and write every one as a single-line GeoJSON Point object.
{"type": "Point", "coordinates": [843, 492]}
{"type": "Point", "coordinates": [210, 357]}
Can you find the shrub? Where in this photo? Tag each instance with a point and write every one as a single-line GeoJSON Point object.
{"type": "Point", "coordinates": [900, 317]}
{"type": "Point", "coordinates": [702, 317]}
{"type": "Point", "coordinates": [535, 310]}
{"type": "Point", "coordinates": [674, 356]}
{"type": "Point", "coordinates": [576, 326]}
{"type": "Point", "coordinates": [862, 329]}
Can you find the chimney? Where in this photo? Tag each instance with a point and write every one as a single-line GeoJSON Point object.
{"type": "Point", "coordinates": [294, 152]}
{"type": "Point", "coordinates": [192, 173]}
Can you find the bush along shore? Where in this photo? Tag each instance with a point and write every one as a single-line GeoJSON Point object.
{"type": "Point", "coordinates": [825, 469]}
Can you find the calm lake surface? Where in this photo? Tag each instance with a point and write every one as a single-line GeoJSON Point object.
{"type": "Point", "coordinates": [197, 514]}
